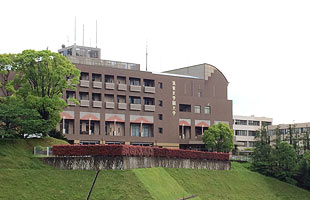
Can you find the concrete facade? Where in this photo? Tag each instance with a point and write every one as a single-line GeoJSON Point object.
{"type": "Point", "coordinates": [245, 128]}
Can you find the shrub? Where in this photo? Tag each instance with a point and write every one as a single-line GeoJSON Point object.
{"type": "Point", "coordinates": [127, 150]}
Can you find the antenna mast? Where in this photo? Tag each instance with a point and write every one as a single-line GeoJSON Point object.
{"type": "Point", "coordinates": [83, 34]}
{"type": "Point", "coordinates": [96, 33]}
{"type": "Point", "coordinates": [146, 54]}
{"type": "Point", "coordinates": [75, 30]}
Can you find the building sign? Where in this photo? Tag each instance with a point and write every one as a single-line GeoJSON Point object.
{"type": "Point", "coordinates": [174, 101]}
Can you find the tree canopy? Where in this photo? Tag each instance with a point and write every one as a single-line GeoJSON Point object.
{"type": "Point", "coordinates": [219, 137]}
{"type": "Point", "coordinates": [41, 77]}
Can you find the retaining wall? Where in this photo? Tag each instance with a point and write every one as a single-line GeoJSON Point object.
{"type": "Point", "coordinates": [130, 162]}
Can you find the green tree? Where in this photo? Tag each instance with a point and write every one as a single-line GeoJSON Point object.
{"type": "Point", "coordinates": [262, 154]}
{"type": "Point", "coordinates": [7, 69]}
{"type": "Point", "coordinates": [41, 78]}
{"type": "Point", "coordinates": [44, 76]}
{"type": "Point", "coordinates": [219, 137]}
{"type": "Point", "coordinates": [17, 119]}
{"type": "Point", "coordinates": [304, 171]}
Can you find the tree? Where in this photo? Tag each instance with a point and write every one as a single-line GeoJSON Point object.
{"type": "Point", "coordinates": [7, 68]}
{"type": "Point", "coordinates": [41, 78]}
{"type": "Point", "coordinates": [219, 137]}
{"type": "Point", "coordinates": [17, 119]}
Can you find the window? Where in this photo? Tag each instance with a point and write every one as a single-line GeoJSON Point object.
{"type": "Point", "coordinates": [134, 81]}
{"type": "Point", "coordinates": [83, 95]}
{"type": "Point", "coordinates": [240, 122]}
{"type": "Point", "coordinates": [253, 123]}
{"type": "Point", "coordinates": [252, 133]}
{"type": "Point", "coordinates": [148, 101]}
{"type": "Point", "coordinates": [134, 100]}
{"type": "Point", "coordinates": [197, 109]}
{"type": "Point", "coordinates": [266, 123]}
{"type": "Point", "coordinates": [251, 144]}
{"type": "Point", "coordinates": [84, 76]}
{"type": "Point", "coordinates": [135, 130]}
{"type": "Point", "coordinates": [199, 94]}
{"type": "Point", "coordinates": [160, 116]}
{"type": "Point", "coordinates": [160, 130]}
{"type": "Point", "coordinates": [160, 102]}
{"type": "Point", "coordinates": [148, 83]}
{"type": "Point", "coordinates": [185, 108]}
{"type": "Point", "coordinates": [207, 110]}
{"type": "Point", "coordinates": [241, 132]}
{"type": "Point", "coordinates": [160, 85]}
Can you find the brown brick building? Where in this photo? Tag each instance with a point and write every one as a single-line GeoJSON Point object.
{"type": "Point", "coordinates": [121, 104]}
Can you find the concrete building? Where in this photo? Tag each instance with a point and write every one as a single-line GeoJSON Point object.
{"type": "Point", "coordinates": [119, 104]}
{"type": "Point", "coordinates": [297, 131]}
{"type": "Point", "coordinates": [245, 128]}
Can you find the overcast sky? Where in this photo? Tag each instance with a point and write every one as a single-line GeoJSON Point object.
{"type": "Point", "coordinates": [262, 47]}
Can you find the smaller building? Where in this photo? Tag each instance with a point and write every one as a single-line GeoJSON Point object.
{"type": "Point", "coordinates": [245, 129]}
{"type": "Point", "coordinates": [296, 133]}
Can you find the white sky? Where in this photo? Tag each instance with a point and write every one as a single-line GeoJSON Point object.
{"type": "Point", "coordinates": [262, 47]}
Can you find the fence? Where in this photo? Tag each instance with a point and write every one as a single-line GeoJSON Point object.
{"type": "Point", "coordinates": [240, 158]}
{"type": "Point", "coordinates": [42, 151]}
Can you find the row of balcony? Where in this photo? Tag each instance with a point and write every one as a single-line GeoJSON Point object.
{"type": "Point", "coordinates": [111, 105]}
{"type": "Point", "coordinates": [120, 86]}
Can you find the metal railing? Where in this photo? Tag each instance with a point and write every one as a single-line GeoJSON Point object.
{"type": "Point", "coordinates": [42, 151]}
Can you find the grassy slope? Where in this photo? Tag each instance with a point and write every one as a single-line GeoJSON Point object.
{"type": "Point", "coordinates": [24, 177]}
{"type": "Point", "coordinates": [239, 183]}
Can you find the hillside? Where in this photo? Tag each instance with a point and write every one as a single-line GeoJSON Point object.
{"type": "Point", "coordinates": [24, 177]}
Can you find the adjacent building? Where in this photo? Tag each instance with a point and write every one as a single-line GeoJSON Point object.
{"type": "Point", "coordinates": [245, 129]}
{"type": "Point", "coordinates": [119, 104]}
{"type": "Point", "coordinates": [294, 133]}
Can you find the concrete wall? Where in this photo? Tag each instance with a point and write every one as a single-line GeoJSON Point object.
{"type": "Point", "coordinates": [122, 163]}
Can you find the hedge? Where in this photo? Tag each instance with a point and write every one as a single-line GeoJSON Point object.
{"type": "Point", "coordinates": [128, 150]}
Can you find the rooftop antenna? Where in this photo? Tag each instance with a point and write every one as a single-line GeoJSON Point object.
{"type": "Point", "coordinates": [146, 54]}
{"type": "Point", "coordinates": [83, 34]}
{"type": "Point", "coordinates": [75, 31]}
{"type": "Point", "coordinates": [96, 33]}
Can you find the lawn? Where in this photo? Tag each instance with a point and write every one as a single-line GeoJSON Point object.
{"type": "Point", "coordinates": [23, 176]}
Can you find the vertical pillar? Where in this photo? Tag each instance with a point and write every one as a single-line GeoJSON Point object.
{"type": "Point", "coordinates": [183, 129]}
{"type": "Point", "coordinates": [114, 131]}
{"type": "Point", "coordinates": [89, 130]}
{"type": "Point", "coordinates": [63, 125]}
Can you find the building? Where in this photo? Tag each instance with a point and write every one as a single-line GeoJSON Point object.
{"type": "Point", "coordinates": [119, 104]}
{"type": "Point", "coordinates": [245, 128]}
{"type": "Point", "coordinates": [295, 133]}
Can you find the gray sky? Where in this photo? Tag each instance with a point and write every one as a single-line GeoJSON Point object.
{"type": "Point", "coordinates": [262, 47]}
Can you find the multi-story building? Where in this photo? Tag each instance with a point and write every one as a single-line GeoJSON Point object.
{"type": "Point", "coordinates": [294, 133]}
{"type": "Point", "coordinates": [122, 105]}
{"type": "Point", "coordinates": [245, 129]}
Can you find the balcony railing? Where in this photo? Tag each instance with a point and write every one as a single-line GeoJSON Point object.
{"type": "Point", "coordinates": [135, 88]}
{"type": "Point", "coordinates": [149, 89]}
{"type": "Point", "coordinates": [109, 86]}
{"type": "Point", "coordinates": [122, 106]}
{"type": "Point", "coordinates": [122, 87]}
{"type": "Point", "coordinates": [70, 103]}
{"type": "Point", "coordinates": [97, 84]}
{"type": "Point", "coordinates": [84, 83]}
{"type": "Point", "coordinates": [150, 108]}
{"type": "Point", "coordinates": [109, 105]}
{"type": "Point", "coordinates": [97, 104]}
{"type": "Point", "coordinates": [135, 106]}
{"type": "Point", "coordinates": [84, 103]}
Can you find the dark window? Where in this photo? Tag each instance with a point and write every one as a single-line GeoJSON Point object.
{"type": "Point", "coordinates": [185, 108]}
{"type": "Point", "coordinates": [160, 116]}
{"type": "Point", "coordinates": [160, 130]}
{"type": "Point", "coordinates": [160, 102]}
{"type": "Point", "coordinates": [160, 85]}
{"type": "Point", "coordinates": [252, 133]}
{"type": "Point", "coordinates": [148, 101]}
{"type": "Point", "coordinates": [134, 100]}
{"type": "Point", "coordinates": [134, 81]}
{"type": "Point", "coordinates": [241, 132]}
{"type": "Point", "coordinates": [253, 123]}
{"type": "Point", "coordinates": [240, 122]}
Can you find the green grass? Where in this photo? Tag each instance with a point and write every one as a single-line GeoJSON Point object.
{"type": "Point", "coordinates": [17, 153]}
{"type": "Point", "coordinates": [23, 176]}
